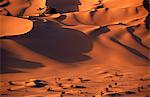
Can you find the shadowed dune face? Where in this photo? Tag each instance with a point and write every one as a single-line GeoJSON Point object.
{"type": "Point", "coordinates": [37, 7]}
{"type": "Point", "coordinates": [62, 44]}
{"type": "Point", "coordinates": [11, 64]}
{"type": "Point", "coordinates": [70, 5]}
{"type": "Point", "coordinates": [4, 3]}
{"type": "Point", "coordinates": [96, 33]}
{"type": "Point", "coordinates": [127, 40]}
{"type": "Point", "coordinates": [146, 4]}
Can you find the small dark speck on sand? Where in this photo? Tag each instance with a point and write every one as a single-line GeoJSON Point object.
{"type": "Point", "coordinates": [107, 90]}
{"type": "Point", "coordinates": [102, 93]}
{"type": "Point", "coordinates": [11, 83]}
{"type": "Point", "coordinates": [106, 9]}
{"type": "Point", "coordinates": [114, 95]}
{"type": "Point", "coordinates": [147, 96]}
{"type": "Point", "coordinates": [141, 79]}
{"type": "Point", "coordinates": [116, 74]}
{"type": "Point", "coordinates": [110, 86]}
{"type": "Point", "coordinates": [49, 89]}
{"type": "Point", "coordinates": [130, 92]}
{"type": "Point", "coordinates": [9, 89]}
{"type": "Point", "coordinates": [2, 94]}
{"type": "Point", "coordinates": [79, 86]}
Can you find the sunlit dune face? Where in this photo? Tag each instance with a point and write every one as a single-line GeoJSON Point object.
{"type": "Point", "coordinates": [14, 26]}
{"type": "Point", "coordinates": [90, 4]}
{"type": "Point", "coordinates": [17, 7]}
{"type": "Point", "coordinates": [37, 7]}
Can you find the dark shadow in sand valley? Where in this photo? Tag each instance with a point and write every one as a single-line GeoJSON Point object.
{"type": "Point", "coordinates": [135, 37]}
{"type": "Point", "coordinates": [10, 64]}
{"type": "Point", "coordinates": [61, 44]}
{"type": "Point", "coordinates": [132, 50]}
{"type": "Point", "coordinates": [96, 33]}
{"type": "Point", "coordinates": [71, 5]}
{"type": "Point", "coordinates": [146, 4]}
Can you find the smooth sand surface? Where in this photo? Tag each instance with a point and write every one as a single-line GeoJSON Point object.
{"type": "Point", "coordinates": [99, 50]}
{"type": "Point", "coordinates": [14, 26]}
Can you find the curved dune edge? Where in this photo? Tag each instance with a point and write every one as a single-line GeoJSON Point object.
{"type": "Point", "coordinates": [121, 4]}
{"type": "Point", "coordinates": [108, 4]}
{"type": "Point", "coordinates": [14, 26]}
{"type": "Point", "coordinates": [103, 17]}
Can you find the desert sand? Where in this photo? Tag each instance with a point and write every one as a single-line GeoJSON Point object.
{"type": "Point", "coordinates": [74, 48]}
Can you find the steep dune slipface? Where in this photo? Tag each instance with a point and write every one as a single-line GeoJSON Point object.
{"type": "Point", "coordinates": [14, 26]}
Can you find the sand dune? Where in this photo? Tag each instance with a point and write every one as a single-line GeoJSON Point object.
{"type": "Point", "coordinates": [123, 16]}
{"type": "Point", "coordinates": [37, 7]}
{"type": "Point", "coordinates": [96, 48]}
{"type": "Point", "coordinates": [11, 26]}
{"type": "Point", "coordinates": [25, 7]}
{"type": "Point", "coordinates": [17, 7]}
{"type": "Point", "coordinates": [108, 4]}
{"type": "Point", "coordinates": [121, 4]}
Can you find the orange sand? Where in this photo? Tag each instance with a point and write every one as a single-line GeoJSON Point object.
{"type": "Point", "coordinates": [87, 51]}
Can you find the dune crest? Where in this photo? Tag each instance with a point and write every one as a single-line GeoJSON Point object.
{"type": "Point", "coordinates": [11, 26]}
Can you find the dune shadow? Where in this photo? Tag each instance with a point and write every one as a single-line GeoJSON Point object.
{"type": "Point", "coordinates": [10, 64]}
{"type": "Point", "coordinates": [146, 5]}
{"type": "Point", "coordinates": [4, 3]}
{"type": "Point", "coordinates": [96, 33]}
{"type": "Point", "coordinates": [132, 50]}
{"type": "Point", "coordinates": [136, 38]}
{"type": "Point", "coordinates": [61, 44]}
{"type": "Point", "coordinates": [70, 5]}
{"type": "Point", "coordinates": [61, 18]}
